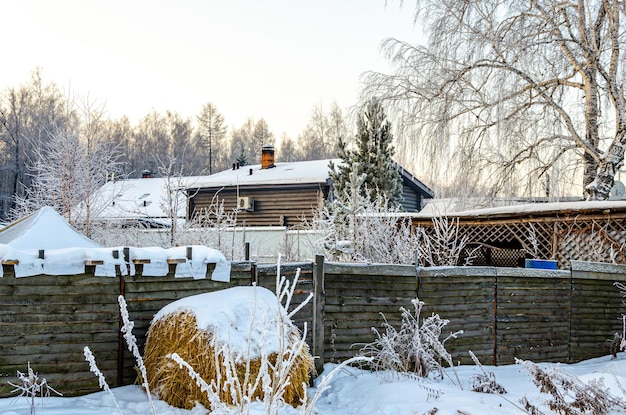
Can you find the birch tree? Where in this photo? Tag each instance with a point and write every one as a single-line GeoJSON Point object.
{"type": "Point", "coordinates": [509, 90]}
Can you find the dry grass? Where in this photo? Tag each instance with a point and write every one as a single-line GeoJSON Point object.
{"type": "Point", "coordinates": [178, 333]}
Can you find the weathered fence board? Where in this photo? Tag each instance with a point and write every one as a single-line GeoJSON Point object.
{"type": "Point", "coordinates": [48, 320]}
{"type": "Point", "coordinates": [357, 298]}
{"type": "Point", "coordinates": [532, 317]}
{"type": "Point", "coordinates": [597, 307]}
{"type": "Point", "coordinates": [467, 301]}
{"type": "Point", "coordinates": [504, 313]}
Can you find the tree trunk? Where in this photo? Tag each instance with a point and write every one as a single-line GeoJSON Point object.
{"type": "Point", "coordinates": [591, 164]}
{"type": "Point", "coordinates": [609, 165]}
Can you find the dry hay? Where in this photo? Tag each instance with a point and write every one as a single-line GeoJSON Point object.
{"type": "Point", "coordinates": [179, 333]}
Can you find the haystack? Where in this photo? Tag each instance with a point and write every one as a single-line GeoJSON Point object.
{"type": "Point", "coordinates": [247, 321]}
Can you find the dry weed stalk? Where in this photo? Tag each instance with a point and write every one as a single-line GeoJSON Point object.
{"type": "Point", "coordinates": [569, 395]}
{"type": "Point", "coordinates": [32, 387]}
{"type": "Point", "coordinates": [484, 381]}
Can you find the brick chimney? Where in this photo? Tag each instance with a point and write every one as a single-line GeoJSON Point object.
{"type": "Point", "coordinates": [267, 157]}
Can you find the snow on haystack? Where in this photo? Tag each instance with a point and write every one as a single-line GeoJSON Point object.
{"type": "Point", "coordinates": [232, 338]}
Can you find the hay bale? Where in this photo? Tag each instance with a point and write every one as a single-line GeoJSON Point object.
{"type": "Point", "coordinates": [244, 319]}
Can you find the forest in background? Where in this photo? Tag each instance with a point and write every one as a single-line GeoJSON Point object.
{"type": "Point", "coordinates": [39, 122]}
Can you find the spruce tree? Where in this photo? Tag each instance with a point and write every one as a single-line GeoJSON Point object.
{"type": "Point", "coordinates": [373, 156]}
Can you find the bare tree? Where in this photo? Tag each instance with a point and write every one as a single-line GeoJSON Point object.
{"type": "Point", "coordinates": [287, 149]}
{"type": "Point", "coordinates": [509, 90]}
{"type": "Point", "coordinates": [69, 166]}
{"type": "Point", "coordinates": [213, 131]}
{"type": "Point", "coordinates": [261, 136]}
{"type": "Point", "coordinates": [27, 112]}
{"type": "Point", "coordinates": [320, 138]}
{"type": "Point", "coordinates": [239, 145]}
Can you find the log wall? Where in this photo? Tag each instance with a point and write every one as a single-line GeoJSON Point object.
{"type": "Point", "coordinates": [273, 206]}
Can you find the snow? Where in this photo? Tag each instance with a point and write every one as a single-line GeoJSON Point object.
{"type": "Point", "coordinates": [44, 229]}
{"type": "Point", "coordinates": [66, 251]}
{"type": "Point", "coordinates": [357, 392]}
{"type": "Point", "coordinates": [71, 261]}
{"type": "Point", "coordinates": [431, 209]}
{"type": "Point", "coordinates": [235, 315]}
{"type": "Point", "coordinates": [138, 198]}
{"type": "Point", "coordinates": [298, 172]}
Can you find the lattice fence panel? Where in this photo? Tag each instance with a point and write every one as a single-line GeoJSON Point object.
{"type": "Point", "coordinates": [562, 239]}
{"type": "Point", "coordinates": [595, 240]}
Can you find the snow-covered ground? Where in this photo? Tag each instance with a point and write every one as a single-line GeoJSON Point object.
{"type": "Point", "coordinates": [360, 392]}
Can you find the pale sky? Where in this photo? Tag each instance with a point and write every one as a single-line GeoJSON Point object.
{"type": "Point", "coordinates": [273, 59]}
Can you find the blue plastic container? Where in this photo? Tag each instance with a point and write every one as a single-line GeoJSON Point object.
{"type": "Point", "coordinates": [541, 263]}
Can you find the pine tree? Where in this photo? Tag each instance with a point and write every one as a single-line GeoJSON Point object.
{"type": "Point", "coordinates": [373, 157]}
{"type": "Point", "coordinates": [241, 158]}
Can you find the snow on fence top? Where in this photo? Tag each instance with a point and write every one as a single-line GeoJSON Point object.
{"type": "Point", "coordinates": [191, 261]}
{"type": "Point", "coordinates": [249, 320]}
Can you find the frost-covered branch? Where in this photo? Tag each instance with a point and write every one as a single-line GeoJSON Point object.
{"type": "Point", "coordinates": [93, 367]}
{"type": "Point", "coordinates": [131, 341]}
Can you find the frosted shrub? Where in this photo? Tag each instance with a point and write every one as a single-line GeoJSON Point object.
{"type": "Point", "coordinates": [485, 381]}
{"type": "Point", "coordinates": [569, 395]}
{"type": "Point", "coordinates": [416, 348]}
{"type": "Point", "coordinates": [442, 244]}
{"type": "Point", "coordinates": [32, 387]}
{"type": "Point", "coordinates": [363, 230]}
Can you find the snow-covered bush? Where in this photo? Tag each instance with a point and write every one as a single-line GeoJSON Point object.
{"type": "Point", "coordinates": [415, 348]}
{"type": "Point", "coordinates": [363, 225]}
{"type": "Point", "coordinates": [32, 387]}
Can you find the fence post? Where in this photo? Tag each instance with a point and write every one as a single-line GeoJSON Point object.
{"type": "Point", "coordinates": [120, 336]}
{"type": "Point", "coordinates": [318, 313]}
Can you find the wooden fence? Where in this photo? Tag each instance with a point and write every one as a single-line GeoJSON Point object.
{"type": "Point", "coordinates": [505, 313]}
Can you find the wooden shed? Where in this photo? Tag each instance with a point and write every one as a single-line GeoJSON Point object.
{"type": "Point", "coordinates": [562, 231]}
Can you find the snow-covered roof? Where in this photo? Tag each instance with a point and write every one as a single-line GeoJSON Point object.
{"type": "Point", "coordinates": [526, 209]}
{"type": "Point", "coordinates": [138, 198]}
{"type": "Point", "coordinates": [44, 229]}
{"type": "Point", "coordinates": [297, 172]}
